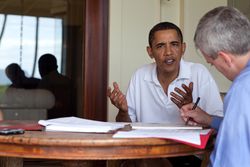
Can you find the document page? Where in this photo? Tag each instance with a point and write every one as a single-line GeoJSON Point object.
{"type": "Point", "coordinates": [140, 125]}
{"type": "Point", "coordinates": [74, 124]}
{"type": "Point", "coordinates": [189, 136]}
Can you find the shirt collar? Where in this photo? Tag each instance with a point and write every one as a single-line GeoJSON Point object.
{"type": "Point", "coordinates": [185, 70]}
{"type": "Point", "coordinates": [184, 73]}
{"type": "Point", "coordinates": [246, 67]}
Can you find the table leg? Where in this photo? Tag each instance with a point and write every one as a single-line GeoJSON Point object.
{"type": "Point", "coordinates": [205, 159]}
{"type": "Point", "coordinates": [11, 162]}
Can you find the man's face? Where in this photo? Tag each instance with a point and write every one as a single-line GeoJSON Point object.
{"type": "Point", "coordinates": [220, 65]}
{"type": "Point", "coordinates": [167, 51]}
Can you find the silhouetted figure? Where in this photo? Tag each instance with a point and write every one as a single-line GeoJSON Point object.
{"type": "Point", "coordinates": [19, 80]}
{"type": "Point", "coordinates": [58, 84]}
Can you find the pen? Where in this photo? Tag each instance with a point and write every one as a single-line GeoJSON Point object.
{"type": "Point", "coordinates": [195, 105]}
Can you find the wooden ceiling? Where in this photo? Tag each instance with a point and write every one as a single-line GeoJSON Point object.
{"type": "Point", "coordinates": [50, 8]}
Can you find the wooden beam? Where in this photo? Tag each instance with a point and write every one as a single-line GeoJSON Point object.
{"type": "Point", "coordinates": [95, 59]}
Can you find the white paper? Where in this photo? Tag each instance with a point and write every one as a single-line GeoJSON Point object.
{"type": "Point", "coordinates": [74, 124]}
{"type": "Point", "coordinates": [190, 136]}
{"type": "Point", "coordinates": [139, 125]}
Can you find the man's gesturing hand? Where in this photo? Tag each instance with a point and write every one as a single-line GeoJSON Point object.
{"type": "Point", "coordinates": [117, 98]}
{"type": "Point", "coordinates": [180, 98]}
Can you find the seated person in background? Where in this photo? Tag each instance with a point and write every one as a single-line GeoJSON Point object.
{"type": "Point", "coordinates": [58, 84]}
{"type": "Point", "coordinates": [19, 80]}
{"type": "Point", "coordinates": [150, 96]}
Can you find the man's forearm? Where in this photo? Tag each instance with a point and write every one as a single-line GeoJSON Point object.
{"type": "Point", "coordinates": [123, 116]}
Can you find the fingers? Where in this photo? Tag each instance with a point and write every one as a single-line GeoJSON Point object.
{"type": "Point", "coordinates": [198, 116]}
{"type": "Point", "coordinates": [191, 86]}
{"type": "Point", "coordinates": [182, 97]}
{"type": "Point", "coordinates": [186, 110]}
{"type": "Point", "coordinates": [192, 123]}
{"type": "Point", "coordinates": [188, 118]}
{"type": "Point", "coordinates": [116, 85]}
{"type": "Point", "coordinates": [181, 92]}
{"type": "Point", "coordinates": [116, 91]}
{"type": "Point", "coordinates": [176, 96]}
{"type": "Point", "coordinates": [178, 100]}
{"type": "Point", "coordinates": [178, 103]}
{"type": "Point", "coordinates": [117, 98]}
{"type": "Point", "coordinates": [188, 89]}
{"type": "Point", "coordinates": [121, 100]}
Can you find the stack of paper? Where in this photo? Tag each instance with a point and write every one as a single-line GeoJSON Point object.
{"type": "Point", "coordinates": [74, 124]}
{"type": "Point", "coordinates": [191, 135]}
{"type": "Point", "coordinates": [140, 125]}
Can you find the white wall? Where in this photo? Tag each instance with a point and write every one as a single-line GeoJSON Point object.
{"type": "Point", "coordinates": [192, 13]}
{"type": "Point", "coordinates": [130, 22]}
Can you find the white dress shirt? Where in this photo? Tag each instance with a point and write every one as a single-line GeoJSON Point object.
{"type": "Point", "coordinates": [147, 101]}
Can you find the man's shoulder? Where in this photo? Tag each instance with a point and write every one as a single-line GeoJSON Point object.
{"type": "Point", "coordinates": [196, 71]}
{"type": "Point", "coordinates": [195, 68]}
{"type": "Point", "coordinates": [144, 72]}
{"type": "Point", "coordinates": [145, 68]}
{"type": "Point", "coordinates": [194, 65]}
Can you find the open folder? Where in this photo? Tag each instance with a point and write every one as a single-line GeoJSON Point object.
{"type": "Point", "coordinates": [194, 137]}
{"type": "Point", "coordinates": [74, 124]}
{"type": "Point", "coordinates": [20, 124]}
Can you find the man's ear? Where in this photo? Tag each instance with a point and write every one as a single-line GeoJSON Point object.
{"type": "Point", "coordinates": [226, 58]}
{"type": "Point", "coordinates": [183, 48]}
{"type": "Point", "coordinates": [149, 50]}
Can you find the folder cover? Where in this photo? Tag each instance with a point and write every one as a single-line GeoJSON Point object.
{"type": "Point", "coordinates": [20, 124]}
{"type": "Point", "coordinates": [203, 138]}
{"type": "Point", "coordinates": [193, 137]}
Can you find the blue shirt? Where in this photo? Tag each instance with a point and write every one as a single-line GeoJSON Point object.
{"type": "Point", "coordinates": [216, 121]}
{"type": "Point", "coordinates": [232, 147]}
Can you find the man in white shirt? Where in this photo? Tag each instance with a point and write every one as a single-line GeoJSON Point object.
{"type": "Point", "coordinates": [150, 96]}
{"type": "Point", "coordinates": [158, 90]}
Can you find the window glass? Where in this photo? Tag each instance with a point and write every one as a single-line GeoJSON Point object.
{"type": "Point", "coordinates": [19, 42]}
{"type": "Point", "coordinates": [28, 30]}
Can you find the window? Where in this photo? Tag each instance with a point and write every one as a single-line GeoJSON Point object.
{"type": "Point", "coordinates": [25, 38]}
{"type": "Point", "coordinates": [84, 47]}
{"type": "Point", "coordinates": [31, 28]}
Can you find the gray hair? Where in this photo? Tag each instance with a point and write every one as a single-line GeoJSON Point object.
{"type": "Point", "coordinates": [223, 29]}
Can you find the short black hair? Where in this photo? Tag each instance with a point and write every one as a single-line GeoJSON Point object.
{"type": "Point", "coordinates": [13, 70]}
{"type": "Point", "coordinates": [47, 63]}
{"type": "Point", "coordinates": [163, 26]}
